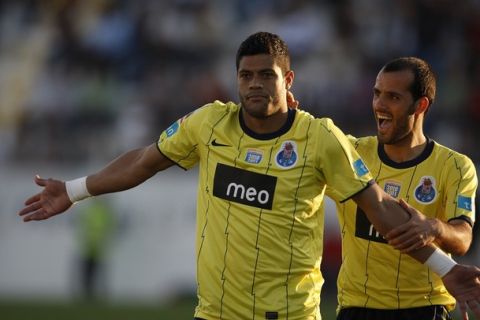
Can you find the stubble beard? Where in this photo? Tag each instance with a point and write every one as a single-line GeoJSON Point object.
{"type": "Point", "coordinates": [256, 112]}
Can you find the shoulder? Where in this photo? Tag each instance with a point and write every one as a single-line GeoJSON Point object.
{"type": "Point", "coordinates": [364, 142]}
{"type": "Point", "coordinates": [449, 154]}
{"type": "Point", "coordinates": [216, 108]}
{"type": "Point", "coordinates": [212, 112]}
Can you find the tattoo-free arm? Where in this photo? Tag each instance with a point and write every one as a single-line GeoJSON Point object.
{"type": "Point", "coordinates": [128, 170]}
{"type": "Point", "coordinates": [385, 213]}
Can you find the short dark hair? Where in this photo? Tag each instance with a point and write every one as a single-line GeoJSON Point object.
{"type": "Point", "coordinates": [424, 82]}
{"type": "Point", "coordinates": [265, 43]}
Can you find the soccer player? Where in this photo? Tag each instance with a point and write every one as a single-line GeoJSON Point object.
{"type": "Point", "coordinates": [263, 169]}
{"type": "Point", "coordinates": [375, 280]}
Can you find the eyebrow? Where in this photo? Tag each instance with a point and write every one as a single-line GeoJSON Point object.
{"type": "Point", "coordinates": [260, 71]}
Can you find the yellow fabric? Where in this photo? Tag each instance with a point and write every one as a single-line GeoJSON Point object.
{"type": "Point", "coordinates": [373, 274]}
{"type": "Point", "coordinates": [259, 224]}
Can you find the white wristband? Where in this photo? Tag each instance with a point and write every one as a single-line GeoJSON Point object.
{"type": "Point", "coordinates": [77, 189]}
{"type": "Point", "coordinates": [440, 262]}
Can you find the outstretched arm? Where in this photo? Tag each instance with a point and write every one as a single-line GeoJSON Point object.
{"type": "Point", "coordinates": [127, 171]}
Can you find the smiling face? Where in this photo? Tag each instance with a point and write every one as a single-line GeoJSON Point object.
{"type": "Point", "coordinates": [393, 106]}
{"type": "Point", "coordinates": [262, 86]}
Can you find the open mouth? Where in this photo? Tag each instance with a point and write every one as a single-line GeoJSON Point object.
{"type": "Point", "coordinates": [384, 121]}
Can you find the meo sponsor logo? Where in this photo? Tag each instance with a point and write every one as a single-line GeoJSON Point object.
{"type": "Point", "coordinates": [243, 186]}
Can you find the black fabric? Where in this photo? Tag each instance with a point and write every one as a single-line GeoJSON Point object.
{"type": "Point", "coordinates": [421, 313]}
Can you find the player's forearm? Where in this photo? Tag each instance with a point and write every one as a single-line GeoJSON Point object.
{"type": "Point", "coordinates": [125, 172]}
{"type": "Point", "coordinates": [454, 237]}
{"type": "Point", "coordinates": [385, 213]}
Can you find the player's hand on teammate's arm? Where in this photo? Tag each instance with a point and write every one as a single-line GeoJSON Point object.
{"type": "Point", "coordinates": [52, 200]}
{"type": "Point", "coordinates": [416, 233]}
{"type": "Point", "coordinates": [463, 282]}
{"type": "Point", "coordinates": [291, 102]}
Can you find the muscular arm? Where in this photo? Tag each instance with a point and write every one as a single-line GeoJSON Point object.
{"type": "Point", "coordinates": [385, 213]}
{"type": "Point", "coordinates": [128, 170]}
{"type": "Point", "coordinates": [454, 236]}
{"type": "Point", "coordinates": [125, 172]}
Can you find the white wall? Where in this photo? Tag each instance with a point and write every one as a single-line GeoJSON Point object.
{"type": "Point", "coordinates": [151, 258]}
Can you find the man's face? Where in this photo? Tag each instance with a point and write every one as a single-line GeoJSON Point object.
{"type": "Point", "coordinates": [262, 86]}
{"type": "Point", "coordinates": [393, 106]}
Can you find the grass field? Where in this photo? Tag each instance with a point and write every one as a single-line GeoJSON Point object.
{"type": "Point", "coordinates": [182, 309]}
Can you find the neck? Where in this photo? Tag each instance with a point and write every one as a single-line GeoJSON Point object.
{"type": "Point", "coordinates": [265, 125]}
{"type": "Point", "coordinates": [406, 149]}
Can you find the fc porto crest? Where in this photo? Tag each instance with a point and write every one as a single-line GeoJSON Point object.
{"type": "Point", "coordinates": [426, 191]}
{"type": "Point", "coordinates": [287, 155]}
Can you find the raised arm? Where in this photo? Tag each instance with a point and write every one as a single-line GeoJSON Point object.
{"type": "Point", "coordinates": [125, 172]}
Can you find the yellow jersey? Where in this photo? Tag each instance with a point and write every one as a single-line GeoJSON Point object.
{"type": "Point", "coordinates": [259, 223]}
{"type": "Point", "coordinates": [440, 183]}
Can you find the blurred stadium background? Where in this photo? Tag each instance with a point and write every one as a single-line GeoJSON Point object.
{"type": "Point", "coordinates": [82, 81]}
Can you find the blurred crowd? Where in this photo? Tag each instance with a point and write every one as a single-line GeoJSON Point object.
{"type": "Point", "coordinates": [84, 80]}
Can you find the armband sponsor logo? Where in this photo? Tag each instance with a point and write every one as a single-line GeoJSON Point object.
{"type": "Point", "coordinates": [360, 168]}
{"type": "Point", "coordinates": [425, 192]}
{"type": "Point", "coordinates": [243, 186]}
{"type": "Point", "coordinates": [464, 203]}
{"type": "Point", "coordinates": [365, 230]}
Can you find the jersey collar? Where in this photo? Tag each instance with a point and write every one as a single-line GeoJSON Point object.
{"type": "Point", "coordinates": [407, 164]}
{"type": "Point", "coordinates": [267, 136]}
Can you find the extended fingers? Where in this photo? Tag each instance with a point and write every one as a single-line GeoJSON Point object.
{"type": "Point", "coordinates": [31, 208]}
{"type": "Point", "coordinates": [39, 214]}
{"type": "Point", "coordinates": [33, 199]}
{"type": "Point", "coordinates": [475, 307]}
{"type": "Point", "coordinates": [463, 310]}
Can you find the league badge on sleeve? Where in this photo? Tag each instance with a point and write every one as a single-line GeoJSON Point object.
{"type": "Point", "coordinates": [360, 168]}
{"type": "Point", "coordinates": [172, 129]}
{"type": "Point", "coordinates": [425, 192]}
{"type": "Point", "coordinates": [464, 203]}
{"type": "Point", "coordinates": [287, 156]}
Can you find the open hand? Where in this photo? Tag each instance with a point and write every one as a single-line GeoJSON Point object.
{"type": "Point", "coordinates": [463, 282]}
{"type": "Point", "coordinates": [52, 200]}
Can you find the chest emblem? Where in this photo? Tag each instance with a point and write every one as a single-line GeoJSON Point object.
{"type": "Point", "coordinates": [287, 155]}
{"type": "Point", "coordinates": [426, 192]}
{"type": "Point", "coordinates": [392, 188]}
{"type": "Point", "coordinates": [254, 156]}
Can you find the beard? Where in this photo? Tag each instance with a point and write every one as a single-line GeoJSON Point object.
{"type": "Point", "coordinates": [398, 134]}
{"type": "Point", "coordinates": [259, 110]}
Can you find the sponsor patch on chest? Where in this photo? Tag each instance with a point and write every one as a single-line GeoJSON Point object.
{"type": "Point", "coordinates": [243, 186]}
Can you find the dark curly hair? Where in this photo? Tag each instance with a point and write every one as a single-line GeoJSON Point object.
{"type": "Point", "coordinates": [265, 43]}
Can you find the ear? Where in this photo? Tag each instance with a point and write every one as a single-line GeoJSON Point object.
{"type": "Point", "coordinates": [289, 76]}
{"type": "Point", "coordinates": [422, 105]}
